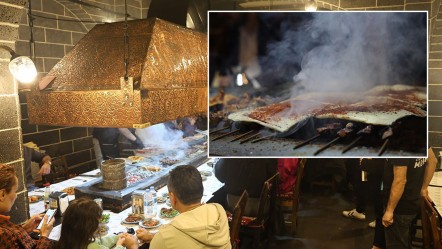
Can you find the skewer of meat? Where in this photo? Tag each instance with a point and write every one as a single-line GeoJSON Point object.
{"type": "Point", "coordinates": [366, 131]}
{"type": "Point", "coordinates": [261, 138]}
{"type": "Point", "coordinates": [329, 128]}
{"type": "Point", "coordinates": [349, 128]}
{"type": "Point", "coordinates": [226, 134]}
{"type": "Point", "coordinates": [242, 135]}
{"type": "Point", "coordinates": [218, 130]}
{"type": "Point", "coordinates": [385, 136]}
{"type": "Point", "coordinates": [249, 138]}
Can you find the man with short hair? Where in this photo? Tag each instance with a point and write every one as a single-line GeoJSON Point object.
{"type": "Point", "coordinates": [198, 225]}
{"type": "Point", "coordinates": [404, 181]}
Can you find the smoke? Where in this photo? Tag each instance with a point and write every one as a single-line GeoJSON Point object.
{"type": "Point", "coordinates": [351, 51]}
{"type": "Point", "coordinates": [160, 136]}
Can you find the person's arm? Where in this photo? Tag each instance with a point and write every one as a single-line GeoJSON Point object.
{"type": "Point", "coordinates": [429, 172]}
{"type": "Point", "coordinates": [396, 191]}
{"type": "Point", "coordinates": [43, 160]}
{"type": "Point", "coordinates": [131, 137]}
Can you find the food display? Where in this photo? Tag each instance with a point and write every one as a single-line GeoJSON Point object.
{"type": "Point", "coordinates": [136, 159]}
{"type": "Point", "coordinates": [168, 212]}
{"type": "Point", "coordinates": [150, 223]}
{"type": "Point", "coordinates": [35, 198]}
{"type": "Point", "coordinates": [168, 161]}
{"type": "Point", "coordinates": [102, 230]}
{"type": "Point", "coordinates": [151, 168]}
{"type": "Point", "coordinates": [161, 199]}
{"type": "Point", "coordinates": [105, 218]}
{"type": "Point", "coordinates": [69, 190]}
{"type": "Point", "coordinates": [133, 219]}
{"type": "Point", "coordinates": [137, 175]}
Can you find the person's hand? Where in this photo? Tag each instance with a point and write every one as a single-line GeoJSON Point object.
{"type": "Point", "coordinates": [47, 228]}
{"type": "Point", "coordinates": [144, 235]}
{"type": "Point", "coordinates": [131, 241]}
{"type": "Point", "coordinates": [121, 240]}
{"type": "Point", "coordinates": [45, 169]}
{"type": "Point", "coordinates": [138, 143]}
{"type": "Point", "coordinates": [31, 224]}
{"type": "Point", "coordinates": [387, 219]}
{"type": "Point", "coordinates": [424, 193]}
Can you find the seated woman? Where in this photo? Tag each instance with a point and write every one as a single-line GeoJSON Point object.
{"type": "Point", "coordinates": [13, 235]}
{"type": "Point", "coordinates": [80, 222]}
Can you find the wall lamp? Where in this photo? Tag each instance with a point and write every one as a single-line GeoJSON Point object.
{"type": "Point", "coordinates": [21, 67]}
{"type": "Point", "coordinates": [311, 5]}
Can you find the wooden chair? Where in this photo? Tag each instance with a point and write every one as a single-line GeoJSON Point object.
{"type": "Point", "coordinates": [236, 218]}
{"type": "Point", "coordinates": [290, 201]}
{"type": "Point", "coordinates": [257, 226]}
{"type": "Point", "coordinates": [59, 170]}
{"type": "Point", "coordinates": [430, 225]}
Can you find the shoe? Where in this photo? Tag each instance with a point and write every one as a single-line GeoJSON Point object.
{"type": "Point", "coordinates": [354, 214]}
{"type": "Point", "coordinates": [372, 224]}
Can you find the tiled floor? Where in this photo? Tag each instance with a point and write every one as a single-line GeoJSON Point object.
{"type": "Point", "coordinates": [321, 225]}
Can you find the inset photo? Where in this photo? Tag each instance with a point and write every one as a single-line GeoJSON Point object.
{"type": "Point", "coordinates": [318, 84]}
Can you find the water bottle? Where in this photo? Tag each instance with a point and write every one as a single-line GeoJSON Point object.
{"type": "Point", "coordinates": [154, 199]}
{"type": "Point", "coordinates": [46, 197]}
{"type": "Point", "coordinates": [148, 203]}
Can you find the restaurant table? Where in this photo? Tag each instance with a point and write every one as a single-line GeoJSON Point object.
{"type": "Point", "coordinates": [115, 224]}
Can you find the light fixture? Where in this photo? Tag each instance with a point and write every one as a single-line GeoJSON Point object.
{"type": "Point", "coordinates": [21, 67]}
{"type": "Point", "coordinates": [311, 5]}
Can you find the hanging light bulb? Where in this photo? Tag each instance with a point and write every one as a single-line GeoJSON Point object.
{"type": "Point", "coordinates": [310, 5]}
{"type": "Point", "coordinates": [21, 67]}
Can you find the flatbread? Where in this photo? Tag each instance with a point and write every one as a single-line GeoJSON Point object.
{"type": "Point", "coordinates": [381, 105]}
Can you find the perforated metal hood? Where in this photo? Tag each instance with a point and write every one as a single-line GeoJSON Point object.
{"type": "Point", "coordinates": [168, 64]}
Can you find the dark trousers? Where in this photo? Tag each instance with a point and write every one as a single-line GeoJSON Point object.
{"type": "Point", "coordinates": [397, 236]}
{"type": "Point", "coordinates": [354, 175]}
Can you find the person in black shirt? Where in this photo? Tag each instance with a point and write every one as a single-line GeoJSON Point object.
{"type": "Point", "coordinates": [404, 181]}
{"type": "Point", "coordinates": [241, 174]}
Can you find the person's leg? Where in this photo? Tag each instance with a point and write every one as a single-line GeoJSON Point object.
{"type": "Point", "coordinates": [379, 235]}
{"type": "Point", "coordinates": [398, 234]}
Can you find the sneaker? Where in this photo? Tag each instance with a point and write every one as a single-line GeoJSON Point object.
{"type": "Point", "coordinates": [354, 214]}
{"type": "Point", "coordinates": [372, 224]}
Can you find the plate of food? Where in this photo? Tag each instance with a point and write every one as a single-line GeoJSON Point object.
{"type": "Point", "coordinates": [150, 223]}
{"type": "Point", "coordinates": [206, 173]}
{"type": "Point", "coordinates": [69, 190]}
{"type": "Point", "coordinates": [35, 198]}
{"type": "Point", "coordinates": [133, 219]}
{"type": "Point", "coordinates": [102, 230]}
{"type": "Point", "coordinates": [161, 199]}
{"type": "Point", "coordinates": [168, 212]}
{"type": "Point", "coordinates": [151, 168]}
{"type": "Point", "coordinates": [136, 159]}
{"type": "Point", "coordinates": [166, 195]}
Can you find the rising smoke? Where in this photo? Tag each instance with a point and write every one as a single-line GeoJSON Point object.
{"type": "Point", "coordinates": [352, 51]}
{"type": "Point", "coordinates": [160, 136]}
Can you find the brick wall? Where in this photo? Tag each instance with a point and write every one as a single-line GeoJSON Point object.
{"type": "Point", "coordinates": [10, 131]}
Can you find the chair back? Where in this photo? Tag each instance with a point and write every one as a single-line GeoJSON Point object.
{"type": "Point", "coordinates": [430, 225]}
{"type": "Point", "coordinates": [297, 187]}
{"type": "Point", "coordinates": [235, 224]}
{"type": "Point", "coordinates": [267, 198]}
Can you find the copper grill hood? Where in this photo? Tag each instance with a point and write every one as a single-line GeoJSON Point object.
{"type": "Point", "coordinates": [168, 64]}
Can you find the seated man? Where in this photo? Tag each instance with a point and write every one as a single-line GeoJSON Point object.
{"type": "Point", "coordinates": [198, 225]}
{"type": "Point", "coordinates": [239, 174]}
{"type": "Point", "coordinates": [44, 161]}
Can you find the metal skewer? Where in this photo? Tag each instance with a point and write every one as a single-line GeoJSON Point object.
{"type": "Point", "coordinates": [384, 146]}
{"type": "Point", "coordinates": [220, 129]}
{"type": "Point", "coordinates": [225, 135]}
{"type": "Point", "coordinates": [242, 135]}
{"type": "Point", "coordinates": [249, 138]}
{"type": "Point", "coordinates": [261, 138]}
{"type": "Point", "coordinates": [306, 141]}
{"type": "Point", "coordinates": [348, 147]}
{"type": "Point", "coordinates": [327, 145]}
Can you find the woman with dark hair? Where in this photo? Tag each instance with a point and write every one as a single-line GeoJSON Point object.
{"type": "Point", "coordinates": [80, 222]}
{"type": "Point", "coordinates": [13, 235]}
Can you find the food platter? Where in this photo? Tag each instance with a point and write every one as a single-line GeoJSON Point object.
{"type": "Point", "coordinates": [161, 199]}
{"type": "Point", "coordinates": [136, 159]}
{"type": "Point", "coordinates": [132, 219]}
{"type": "Point", "coordinates": [35, 198]}
{"type": "Point", "coordinates": [168, 212]}
{"type": "Point", "coordinates": [150, 223]}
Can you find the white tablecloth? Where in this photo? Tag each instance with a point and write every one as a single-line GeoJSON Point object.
{"type": "Point", "coordinates": [211, 184]}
